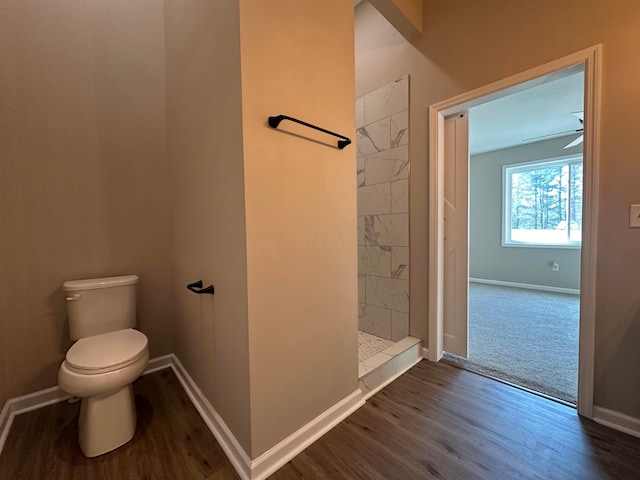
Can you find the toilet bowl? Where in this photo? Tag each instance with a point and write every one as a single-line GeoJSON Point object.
{"type": "Point", "coordinates": [100, 371]}
{"type": "Point", "coordinates": [106, 359]}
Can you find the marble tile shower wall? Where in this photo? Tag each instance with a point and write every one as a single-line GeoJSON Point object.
{"type": "Point", "coordinates": [382, 121]}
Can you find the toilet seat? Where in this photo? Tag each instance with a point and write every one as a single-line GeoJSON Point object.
{"type": "Point", "coordinates": [106, 352]}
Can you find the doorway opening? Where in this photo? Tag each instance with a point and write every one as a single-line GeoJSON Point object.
{"type": "Point", "coordinates": [448, 225]}
{"type": "Point", "coordinates": [525, 214]}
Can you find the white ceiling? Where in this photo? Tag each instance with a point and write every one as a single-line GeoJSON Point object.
{"type": "Point", "coordinates": [515, 119]}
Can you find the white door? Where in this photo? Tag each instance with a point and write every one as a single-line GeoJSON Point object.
{"type": "Point", "coordinates": [456, 235]}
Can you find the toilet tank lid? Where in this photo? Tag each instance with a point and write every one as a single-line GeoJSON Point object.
{"type": "Point", "coordinates": [96, 283]}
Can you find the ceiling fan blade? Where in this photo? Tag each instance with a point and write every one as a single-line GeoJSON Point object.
{"type": "Point", "coordinates": [559, 134]}
{"type": "Point", "coordinates": [575, 142]}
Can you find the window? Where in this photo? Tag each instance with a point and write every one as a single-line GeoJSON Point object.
{"type": "Point", "coordinates": [543, 203]}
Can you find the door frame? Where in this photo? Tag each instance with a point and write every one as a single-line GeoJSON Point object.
{"type": "Point", "coordinates": [590, 59]}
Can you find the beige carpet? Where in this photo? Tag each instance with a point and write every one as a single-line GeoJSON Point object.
{"type": "Point", "coordinates": [526, 337]}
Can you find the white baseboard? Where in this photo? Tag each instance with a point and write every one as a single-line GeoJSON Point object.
{"type": "Point", "coordinates": [277, 456]}
{"type": "Point", "coordinates": [49, 396]}
{"type": "Point", "coordinates": [617, 421]}
{"type": "Point", "coordinates": [528, 286]}
{"type": "Point", "coordinates": [258, 469]}
{"type": "Point", "coordinates": [27, 403]}
{"type": "Point", "coordinates": [270, 461]}
{"type": "Point", "coordinates": [228, 442]}
{"type": "Point", "coordinates": [425, 352]}
{"type": "Point", "coordinates": [159, 363]}
{"type": "Point", "coordinates": [274, 458]}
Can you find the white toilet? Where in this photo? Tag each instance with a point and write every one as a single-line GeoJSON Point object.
{"type": "Point", "coordinates": [107, 357]}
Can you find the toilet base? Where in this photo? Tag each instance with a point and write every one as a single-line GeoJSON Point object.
{"type": "Point", "coordinates": [106, 421]}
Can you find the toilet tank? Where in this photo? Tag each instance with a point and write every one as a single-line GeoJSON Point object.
{"type": "Point", "coordinates": [100, 305]}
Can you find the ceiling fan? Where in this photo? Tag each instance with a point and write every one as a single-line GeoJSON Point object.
{"type": "Point", "coordinates": [574, 142]}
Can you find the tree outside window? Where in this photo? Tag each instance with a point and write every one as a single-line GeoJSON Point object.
{"type": "Point", "coordinates": [543, 203]}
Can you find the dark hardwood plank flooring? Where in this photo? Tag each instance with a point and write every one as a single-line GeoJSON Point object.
{"type": "Point", "coordinates": [436, 421]}
{"type": "Point", "coordinates": [171, 441]}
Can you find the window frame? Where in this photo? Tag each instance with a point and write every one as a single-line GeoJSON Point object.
{"type": "Point", "coordinates": [507, 170]}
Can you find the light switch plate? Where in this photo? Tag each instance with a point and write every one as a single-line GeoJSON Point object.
{"type": "Point", "coordinates": [634, 216]}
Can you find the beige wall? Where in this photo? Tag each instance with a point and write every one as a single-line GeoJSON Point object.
{"type": "Point", "coordinates": [488, 259]}
{"type": "Point", "coordinates": [467, 44]}
{"type": "Point", "coordinates": [267, 217]}
{"type": "Point", "coordinates": [404, 15]}
{"type": "Point", "coordinates": [83, 173]}
{"type": "Point", "coordinates": [412, 10]}
{"type": "Point", "coordinates": [205, 149]}
{"type": "Point", "coordinates": [300, 211]}
{"type": "Point", "coordinates": [122, 152]}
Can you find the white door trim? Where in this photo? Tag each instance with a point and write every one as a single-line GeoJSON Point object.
{"type": "Point", "coordinates": [590, 58]}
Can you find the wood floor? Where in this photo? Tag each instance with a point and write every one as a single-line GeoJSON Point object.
{"type": "Point", "coordinates": [171, 441]}
{"type": "Point", "coordinates": [436, 421]}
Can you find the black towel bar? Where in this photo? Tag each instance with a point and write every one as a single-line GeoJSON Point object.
{"type": "Point", "coordinates": [195, 285]}
{"type": "Point", "coordinates": [275, 121]}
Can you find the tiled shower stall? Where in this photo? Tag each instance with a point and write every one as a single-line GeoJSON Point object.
{"type": "Point", "coordinates": [382, 121]}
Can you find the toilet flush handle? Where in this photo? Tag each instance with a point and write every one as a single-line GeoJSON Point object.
{"type": "Point", "coordinates": [75, 296]}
